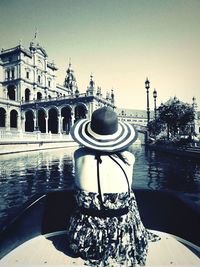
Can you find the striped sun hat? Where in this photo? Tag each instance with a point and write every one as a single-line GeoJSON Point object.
{"type": "Point", "coordinates": [104, 132]}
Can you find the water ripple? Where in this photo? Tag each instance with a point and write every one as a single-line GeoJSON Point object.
{"type": "Point", "coordinates": [26, 174]}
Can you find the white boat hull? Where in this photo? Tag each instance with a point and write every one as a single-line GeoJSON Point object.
{"type": "Point", "coordinates": [49, 250]}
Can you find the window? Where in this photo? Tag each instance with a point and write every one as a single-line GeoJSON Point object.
{"type": "Point", "coordinates": [39, 96]}
{"type": "Point", "coordinates": [39, 78]}
{"type": "Point", "coordinates": [27, 95]}
{"type": "Point", "coordinates": [8, 74]}
{"type": "Point", "coordinates": [49, 83]}
{"type": "Point", "coordinates": [27, 75]}
{"type": "Point", "coordinates": [13, 73]}
{"type": "Point", "coordinates": [11, 92]}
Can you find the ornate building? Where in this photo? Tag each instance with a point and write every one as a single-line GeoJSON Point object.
{"type": "Point", "coordinates": [133, 116]}
{"type": "Point", "coordinates": [32, 101]}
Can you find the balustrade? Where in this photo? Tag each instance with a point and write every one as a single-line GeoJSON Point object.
{"type": "Point", "coordinates": [30, 136]}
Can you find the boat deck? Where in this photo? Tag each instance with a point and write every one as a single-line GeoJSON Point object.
{"type": "Point", "coordinates": [50, 250]}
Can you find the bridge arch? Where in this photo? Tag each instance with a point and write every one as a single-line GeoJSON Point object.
{"type": "Point", "coordinates": [142, 132]}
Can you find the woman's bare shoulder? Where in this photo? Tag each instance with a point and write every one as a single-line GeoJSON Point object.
{"type": "Point", "coordinates": [130, 156]}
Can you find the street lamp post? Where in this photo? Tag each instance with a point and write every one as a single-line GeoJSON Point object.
{"type": "Point", "coordinates": [147, 86]}
{"type": "Point", "coordinates": [155, 96]}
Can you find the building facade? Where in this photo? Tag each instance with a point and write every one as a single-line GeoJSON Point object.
{"type": "Point", "coordinates": [32, 101]}
{"type": "Point", "coordinates": [133, 116]}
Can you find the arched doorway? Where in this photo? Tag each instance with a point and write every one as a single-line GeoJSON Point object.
{"type": "Point", "coordinates": [11, 92]}
{"type": "Point", "coordinates": [41, 121]}
{"type": "Point", "coordinates": [66, 119]}
{"type": "Point", "coordinates": [29, 122]}
{"type": "Point", "coordinates": [2, 117]}
{"type": "Point", "coordinates": [80, 112]}
{"type": "Point", "coordinates": [27, 95]}
{"type": "Point", "coordinates": [13, 118]}
{"type": "Point", "coordinates": [39, 96]}
{"type": "Point", "coordinates": [53, 120]}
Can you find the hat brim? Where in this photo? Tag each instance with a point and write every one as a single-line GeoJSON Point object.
{"type": "Point", "coordinates": [82, 133]}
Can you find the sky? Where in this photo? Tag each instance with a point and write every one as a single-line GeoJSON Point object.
{"type": "Point", "coordinates": [121, 42]}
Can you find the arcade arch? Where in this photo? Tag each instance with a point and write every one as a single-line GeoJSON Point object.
{"type": "Point", "coordinates": [80, 112]}
{"type": "Point", "coordinates": [66, 115]}
{"type": "Point", "coordinates": [13, 118]}
{"type": "Point", "coordinates": [2, 117]}
{"type": "Point", "coordinates": [41, 120]}
{"type": "Point", "coordinates": [29, 121]}
{"type": "Point", "coordinates": [53, 120]}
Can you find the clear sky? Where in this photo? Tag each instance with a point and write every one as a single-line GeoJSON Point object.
{"type": "Point", "coordinates": [120, 41]}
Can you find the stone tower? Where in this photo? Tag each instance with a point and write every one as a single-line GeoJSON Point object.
{"type": "Point", "coordinates": [70, 80]}
{"type": "Point", "coordinates": [91, 88]}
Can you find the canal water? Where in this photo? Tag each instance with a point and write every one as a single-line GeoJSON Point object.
{"type": "Point", "coordinates": [24, 175]}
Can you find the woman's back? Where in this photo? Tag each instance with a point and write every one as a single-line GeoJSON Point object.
{"type": "Point", "coordinates": [112, 177]}
{"type": "Point", "coordinates": [106, 229]}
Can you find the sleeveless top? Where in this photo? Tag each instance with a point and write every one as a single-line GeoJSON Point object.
{"type": "Point", "coordinates": [99, 237]}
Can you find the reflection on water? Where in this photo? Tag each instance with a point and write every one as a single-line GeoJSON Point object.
{"type": "Point", "coordinates": [26, 174]}
{"type": "Point", "coordinates": [159, 171]}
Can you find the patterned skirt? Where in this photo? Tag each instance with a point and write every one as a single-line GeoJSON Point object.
{"type": "Point", "coordinates": [109, 241]}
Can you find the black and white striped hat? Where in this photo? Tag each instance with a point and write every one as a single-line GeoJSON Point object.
{"type": "Point", "coordinates": [104, 132]}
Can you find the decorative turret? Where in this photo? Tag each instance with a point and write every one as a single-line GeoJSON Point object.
{"type": "Point", "coordinates": [112, 97]}
{"type": "Point", "coordinates": [35, 45]}
{"type": "Point", "coordinates": [70, 80]}
{"type": "Point", "coordinates": [91, 87]}
{"type": "Point", "coordinates": [98, 91]}
{"type": "Point", "coordinates": [107, 96]}
{"type": "Point", "coordinates": [77, 93]}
